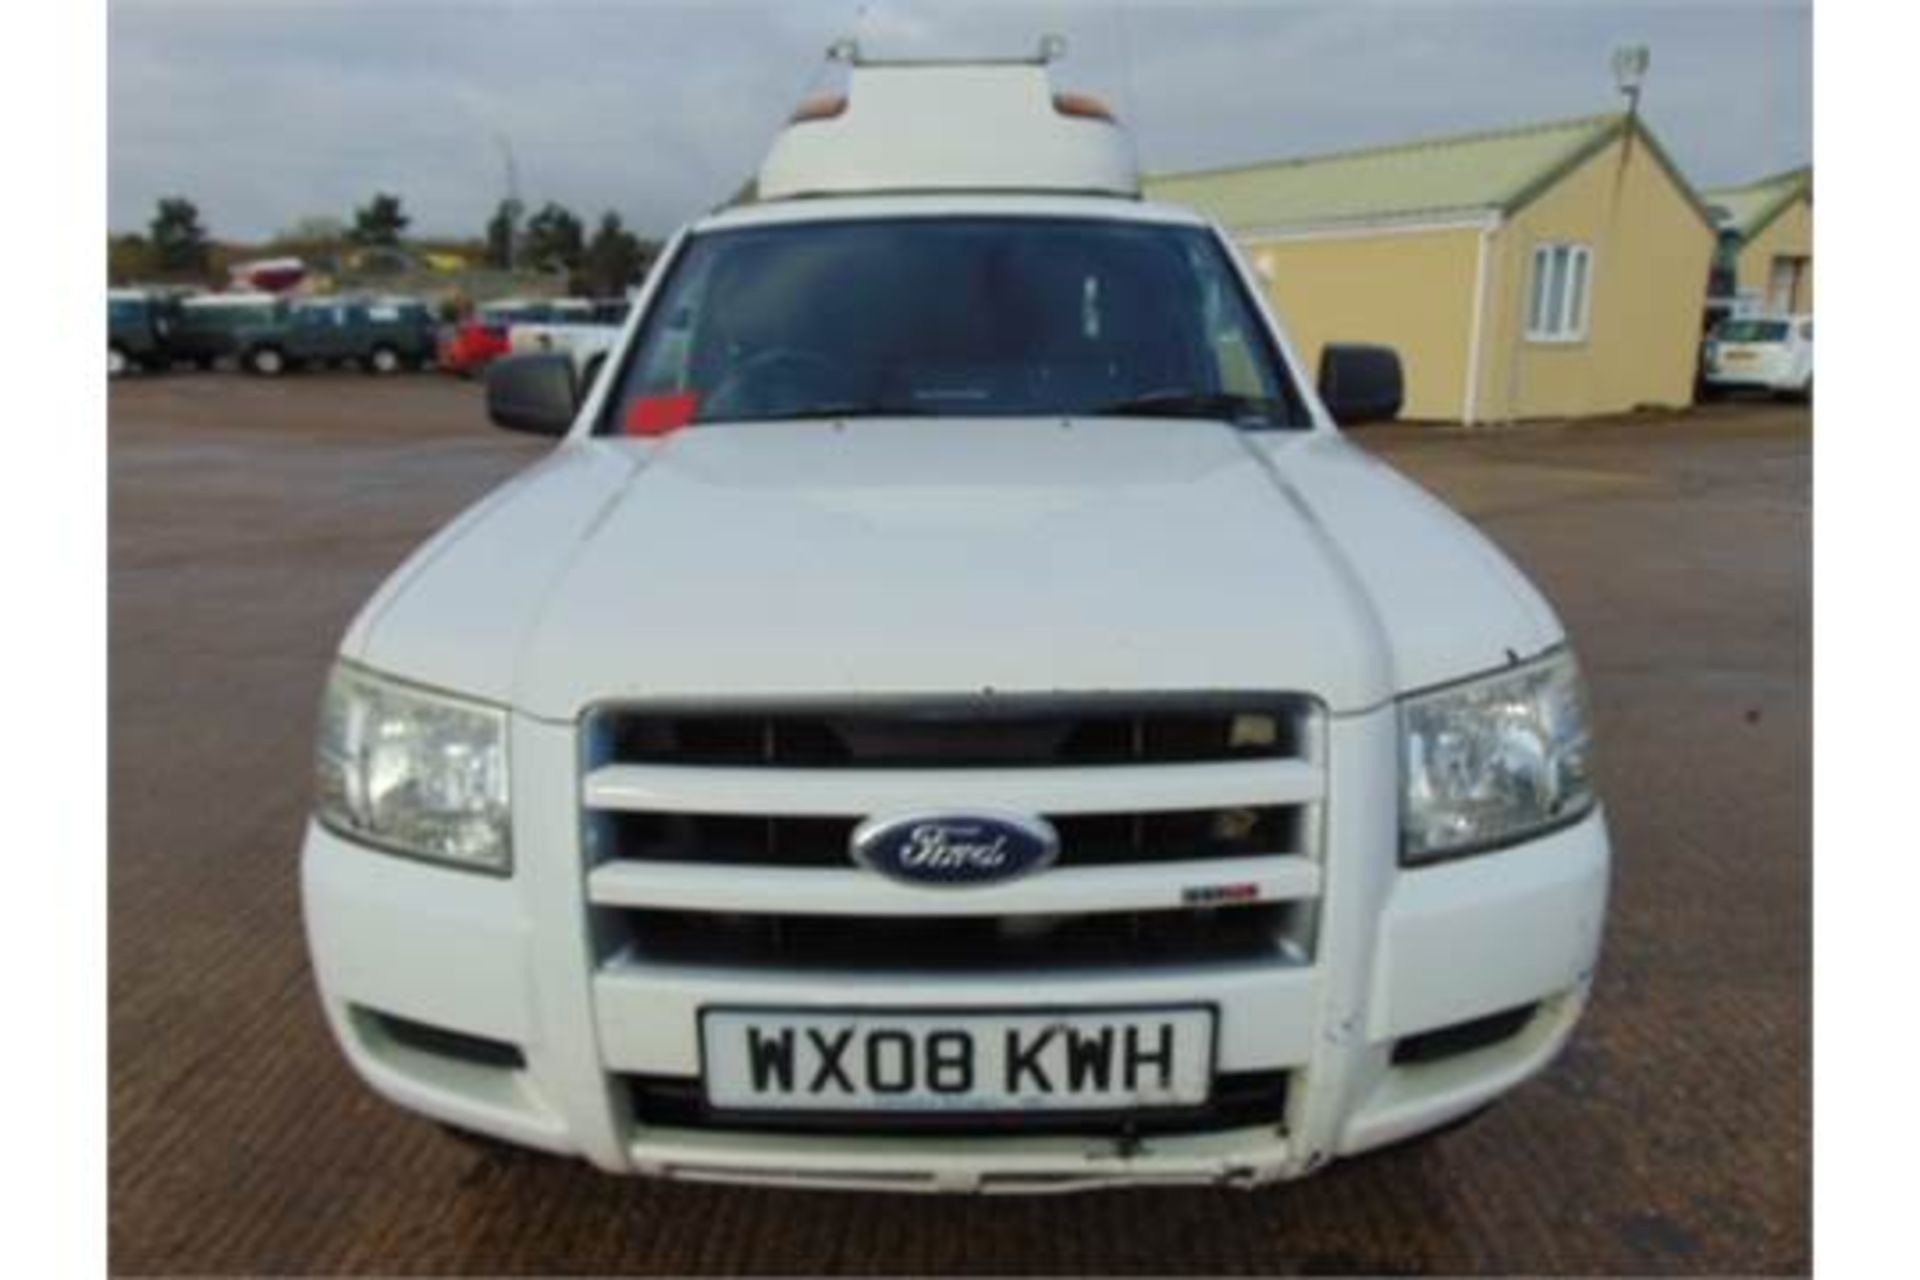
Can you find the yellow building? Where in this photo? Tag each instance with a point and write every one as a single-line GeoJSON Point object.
{"type": "Point", "coordinates": [1555, 270]}
{"type": "Point", "coordinates": [1766, 241]}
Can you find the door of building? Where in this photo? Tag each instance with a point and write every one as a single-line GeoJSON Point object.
{"type": "Point", "coordinates": [1786, 287]}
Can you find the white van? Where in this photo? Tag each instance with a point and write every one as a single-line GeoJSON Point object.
{"type": "Point", "coordinates": [953, 713]}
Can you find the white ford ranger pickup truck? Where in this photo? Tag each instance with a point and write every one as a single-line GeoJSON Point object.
{"type": "Point", "coordinates": [953, 713]}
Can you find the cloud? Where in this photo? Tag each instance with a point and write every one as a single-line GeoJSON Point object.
{"type": "Point", "coordinates": [267, 112]}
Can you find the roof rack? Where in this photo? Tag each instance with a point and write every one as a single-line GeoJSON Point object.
{"type": "Point", "coordinates": [1052, 48]}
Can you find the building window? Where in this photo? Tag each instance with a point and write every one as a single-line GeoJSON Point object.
{"type": "Point", "coordinates": [1558, 311]}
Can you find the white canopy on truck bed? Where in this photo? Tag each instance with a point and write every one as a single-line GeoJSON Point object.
{"type": "Point", "coordinates": [950, 126]}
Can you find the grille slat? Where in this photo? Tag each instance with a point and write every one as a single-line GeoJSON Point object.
{"type": "Point", "coordinates": [849, 793]}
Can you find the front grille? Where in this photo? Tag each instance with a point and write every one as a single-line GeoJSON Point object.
{"type": "Point", "coordinates": [959, 944]}
{"type": "Point", "coordinates": [1240, 1100]}
{"type": "Point", "coordinates": [703, 825]}
{"type": "Point", "coordinates": [1102, 839]}
{"type": "Point", "coordinates": [974, 733]}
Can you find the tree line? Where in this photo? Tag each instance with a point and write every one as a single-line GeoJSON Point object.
{"type": "Point", "coordinates": [178, 247]}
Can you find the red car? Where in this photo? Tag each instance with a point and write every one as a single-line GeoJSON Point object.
{"type": "Point", "coordinates": [468, 347]}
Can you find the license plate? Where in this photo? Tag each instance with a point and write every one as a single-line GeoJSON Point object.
{"type": "Point", "coordinates": [1093, 1060]}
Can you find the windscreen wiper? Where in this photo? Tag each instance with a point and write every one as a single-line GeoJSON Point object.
{"type": "Point", "coordinates": [840, 409]}
{"type": "Point", "coordinates": [1196, 404]}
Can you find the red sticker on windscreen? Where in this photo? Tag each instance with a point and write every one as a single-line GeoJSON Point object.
{"type": "Point", "coordinates": [658, 415]}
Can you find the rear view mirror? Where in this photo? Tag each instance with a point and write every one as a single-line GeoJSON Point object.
{"type": "Point", "coordinates": [1360, 382]}
{"type": "Point", "coordinates": [532, 393]}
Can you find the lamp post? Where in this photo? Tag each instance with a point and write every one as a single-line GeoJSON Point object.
{"type": "Point", "coordinates": [1629, 72]}
{"type": "Point", "coordinates": [513, 194]}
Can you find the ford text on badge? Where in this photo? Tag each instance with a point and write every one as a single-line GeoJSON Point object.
{"type": "Point", "coordinates": [1083, 1061]}
{"type": "Point", "coordinates": [955, 849]}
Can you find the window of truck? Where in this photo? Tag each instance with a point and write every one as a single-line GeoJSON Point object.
{"type": "Point", "coordinates": [225, 317]}
{"type": "Point", "coordinates": [1753, 331]}
{"type": "Point", "coordinates": [961, 316]}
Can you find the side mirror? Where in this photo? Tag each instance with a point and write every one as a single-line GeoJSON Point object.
{"type": "Point", "coordinates": [1360, 382]}
{"type": "Point", "coordinates": [532, 393]}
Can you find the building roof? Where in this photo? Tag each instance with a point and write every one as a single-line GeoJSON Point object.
{"type": "Point", "coordinates": [1747, 209]}
{"type": "Point", "coordinates": [1494, 171]}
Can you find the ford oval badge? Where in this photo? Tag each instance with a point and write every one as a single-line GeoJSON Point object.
{"type": "Point", "coordinates": [954, 850]}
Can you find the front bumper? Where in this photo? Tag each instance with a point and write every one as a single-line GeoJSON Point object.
{"type": "Point", "coordinates": [512, 963]}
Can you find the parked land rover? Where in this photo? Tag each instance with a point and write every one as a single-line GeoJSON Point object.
{"type": "Point", "coordinates": [953, 713]}
{"type": "Point", "coordinates": [208, 326]}
{"type": "Point", "coordinates": [140, 330]}
{"type": "Point", "coordinates": [379, 335]}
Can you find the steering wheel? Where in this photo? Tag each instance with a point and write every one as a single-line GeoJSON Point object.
{"type": "Point", "coordinates": [772, 380]}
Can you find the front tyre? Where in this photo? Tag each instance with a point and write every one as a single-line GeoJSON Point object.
{"type": "Point", "coordinates": [383, 360]}
{"type": "Point", "coordinates": [268, 362]}
{"type": "Point", "coordinates": [118, 363]}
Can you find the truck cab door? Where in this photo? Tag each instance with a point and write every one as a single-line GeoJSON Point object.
{"type": "Point", "coordinates": [349, 336]}
{"type": "Point", "coordinates": [310, 333]}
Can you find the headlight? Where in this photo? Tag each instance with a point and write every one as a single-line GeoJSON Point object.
{"type": "Point", "coordinates": [1493, 761]}
{"type": "Point", "coordinates": [414, 772]}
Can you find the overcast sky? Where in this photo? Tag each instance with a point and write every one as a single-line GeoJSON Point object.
{"type": "Point", "coordinates": [267, 111]}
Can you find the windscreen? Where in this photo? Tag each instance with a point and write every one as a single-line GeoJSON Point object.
{"type": "Point", "coordinates": [951, 316]}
